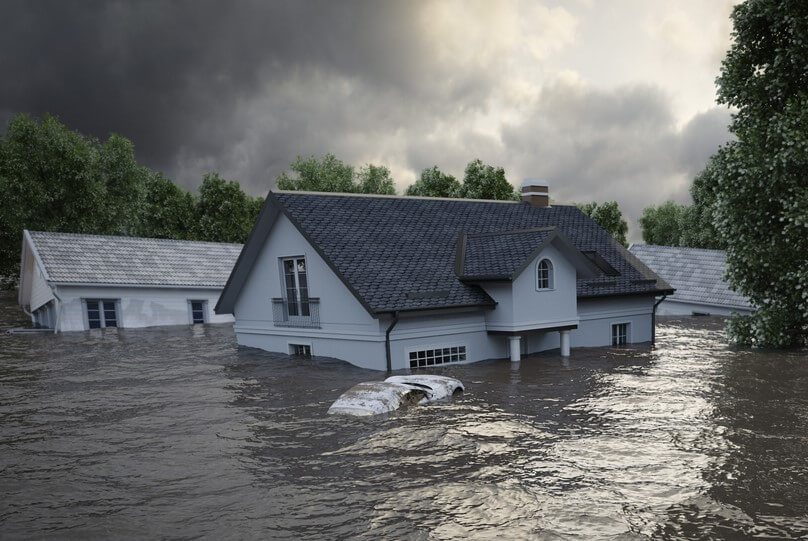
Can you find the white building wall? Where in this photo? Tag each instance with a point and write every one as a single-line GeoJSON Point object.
{"type": "Point", "coordinates": [138, 306]}
{"type": "Point", "coordinates": [520, 305]}
{"type": "Point", "coordinates": [41, 292]}
{"type": "Point", "coordinates": [598, 315]}
{"type": "Point", "coordinates": [347, 330]}
{"type": "Point", "coordinates": [672, 307]}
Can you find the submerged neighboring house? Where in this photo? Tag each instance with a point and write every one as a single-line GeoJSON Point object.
{"type": "Point", "coordinates": [405, 282]}
{"type": "Point", "coordinates": [72, 282]}
{"type": "Point", "coordinates": [698, 277]}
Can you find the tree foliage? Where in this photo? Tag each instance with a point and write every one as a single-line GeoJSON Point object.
{"type": "Point", "coordinates": [662, 224]}
{"type": "Point", "coordinates": [609, 217]}
{"type": "Point", "coordinates": [434, 183]}
{"type": "Point", "coordinates": [55, 179]}
{"type": "Point", "coordinates": [330, 174]}
{"type": "Point", "coordinates": [761, 195]}
{"type": "Point", "coordinates": [482, 181]}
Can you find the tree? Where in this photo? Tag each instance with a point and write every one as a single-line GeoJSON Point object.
{"type": "Point", "coordinates": [226, 213]}
{"type": "Point", "coordinates": [662, 225]}
{"type": "Point", "coordinates": [697, 221]}
{"type": "Point", "coordinates": [434, 183]}
{"type": "Point", "coordinates": [375, 179]}
{"type": "Point", "coordinates": [168, 210]}
{"type": "Point", "coordinates": [328, 174]}
{"type": "Point", "coordinates": [609, 217]}
{"type": "Point", "coordinates": [486, 182]}
{"type": "Point", "coordinates": [761, 199]}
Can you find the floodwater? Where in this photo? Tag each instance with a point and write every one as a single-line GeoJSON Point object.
{"type": "Point", "coordinates": [178, 433]}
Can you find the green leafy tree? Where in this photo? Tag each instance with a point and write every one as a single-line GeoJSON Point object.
{"type": "Point", "coordinates": [609, 217]}
{"type": "Point", "coordinates": [697, 221]}
{"type": "Point", "coordinates": [434, 183]}
{"type": "Point", "coordinates": [761, 205]}
{"type": "Point", "coordinates": [486, 182]}
{"type": "Point", "coordinates": [226, 213]}
{"type": "Point", "coordinates": [168, 210]}
{"type": "Point", "coordinates": [662, 224]}
{"type": "Point", "coordinates": [328, 174]}
{"type": "Point", "coordinates": [375, 179]}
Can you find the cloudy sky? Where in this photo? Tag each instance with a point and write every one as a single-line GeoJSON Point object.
{"type": "Point", "coordinates": [606, 100]}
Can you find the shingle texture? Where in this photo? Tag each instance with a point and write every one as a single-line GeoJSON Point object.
{"type": "Point", "coordinates": [387, 248]}
{"type": "Point", "coordinates": [96, 259]}
{"type": "Point", "coordinates": [499, 255]}
{"type": "Point", "coordinates": [696, 274]}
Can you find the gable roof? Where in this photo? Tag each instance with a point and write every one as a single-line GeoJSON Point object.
{"type": "Point", "coordinates": [503, 255]}
{"type": "Point", "coordinates": [70, 258]}
{"type": "Point", "coordinates": [398, 253]}
{"type": "Point", "coordinates": [697, 274]}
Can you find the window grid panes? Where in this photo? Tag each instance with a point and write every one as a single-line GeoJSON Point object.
{"type": "Point", "coordinates": [301, 350]}
{"type": "Point", "coordinates": [102, 313]}
{"type": "Point", "coordinates": [297, 286]}
{"type": "Point", "coordinates": [435, 356]}
{"type": "Point", "coordinates": [544, 275]}
{"type": "Point", "coordinates": [198, 311]}
{"type": "Point", "coordinates": [619, 334]}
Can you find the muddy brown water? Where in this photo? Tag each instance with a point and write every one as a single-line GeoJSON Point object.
{"type": "Point", "coordinates": [178, 433]}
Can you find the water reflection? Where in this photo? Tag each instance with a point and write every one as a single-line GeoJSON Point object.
{"type": "Point", "coordinates": [176, 432]}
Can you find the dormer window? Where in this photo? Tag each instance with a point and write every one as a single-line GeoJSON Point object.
{"type": "Point", "coordinates": [544, 275]}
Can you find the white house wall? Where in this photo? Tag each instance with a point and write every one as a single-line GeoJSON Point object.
{"type": "Point", "coordinates": [41, 292]}
{"type": "Point", "coordinates": [598, 315]}
{"type": "Point", "coordinates": [670, 307]}
{"type": "Point", "coordinates": [347, 330]}
{"type": "Point", "coordinates": [138, 307]}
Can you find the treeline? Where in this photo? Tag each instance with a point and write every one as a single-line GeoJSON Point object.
{"type": "Point", "coordinates": [55, 179]}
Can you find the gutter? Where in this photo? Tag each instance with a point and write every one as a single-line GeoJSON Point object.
{"type": "Point", "coordinates": [387, 341]}
{"type": "Point", "coordinates": [58, 307]}
{"type": "Point", "coordinates": [653, 319]}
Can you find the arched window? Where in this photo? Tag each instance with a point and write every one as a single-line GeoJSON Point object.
{"type": "Point", "coordinates": [544, 275]}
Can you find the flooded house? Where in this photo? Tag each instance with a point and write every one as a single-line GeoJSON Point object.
{"type": "Point", "coordinates": [697, 275]}
{"type": "Point", "coordinates": [73, 282]}
{"type": "Point", "coordinates": [389, 282]}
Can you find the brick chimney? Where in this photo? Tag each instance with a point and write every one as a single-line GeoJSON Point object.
{"type": "Point", "coordinates": [536, 192]}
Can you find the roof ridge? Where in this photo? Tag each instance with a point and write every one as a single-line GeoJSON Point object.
{"type": "Point", "coordinates": [126, 237]}
{"type": "Point", "coordinates": [689, 248]}
{"type": "Point", "coordinates": [383, 196]}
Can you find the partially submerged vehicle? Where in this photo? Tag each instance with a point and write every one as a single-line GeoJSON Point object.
{"type": "Point", "coordinates": [376, 397]}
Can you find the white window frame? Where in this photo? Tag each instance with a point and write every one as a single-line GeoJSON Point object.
{"type": "Point", "coordinates": [550, 274]}
{"type": "Point", "coordinates": [101, 300]}
{"type": "Point", "coordinates": [291, 345]}
{"type": "Point", "coordinates": [298, 302]}
{"type": "Point", "coordinates": [611, 333]}
{"type": "Point", "coordinates": [421, 347]}
{"type": "Point", "coordinates": [191, 311]}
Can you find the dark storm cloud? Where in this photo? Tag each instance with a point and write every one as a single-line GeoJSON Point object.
{"type": "Point", "coordinates": [171, 75]}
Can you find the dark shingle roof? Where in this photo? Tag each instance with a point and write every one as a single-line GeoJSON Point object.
{"type": "Point", "coordinates": [101, 259]}
{"type": "Point", "coordinates": [398, 253]}
{"type": "Point", "coordinates": [697, 274]}
{"type": "Point", "coordinates": [498, 255]}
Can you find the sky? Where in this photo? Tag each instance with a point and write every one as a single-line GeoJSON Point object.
{"type": "Point", "coordinates": [606, 100]}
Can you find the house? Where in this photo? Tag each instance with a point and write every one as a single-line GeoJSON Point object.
{"type": "Point", "coordinates": [388, 282]}
{"type": "Point", "coordinates": [697, 275]}
{"type": "Point", "coordinates": [71, 282]}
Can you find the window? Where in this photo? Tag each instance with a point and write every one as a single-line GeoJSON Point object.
{"type": "Point", "coordinates": [102, 313]}
{"type": "Point", "coordinates": [431, 357]}
{"type": "Point", "coordinates": [197, 311]}
{"type": "Point", "coordinates": [619, 334]}
{"type": "Point", "coordinates": [544, 274]}
{"type": "Point", "coordinates": [300, 350]}
{"type": "Point", "coordinates": [297, 286]}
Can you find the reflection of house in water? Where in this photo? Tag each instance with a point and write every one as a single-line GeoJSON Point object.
{"type": "Point", "coordinates": [410, 282]}
{"type": "Point", "coordinates": [71, 282]}
{"type": "Point", "coordinates": [698, 277]}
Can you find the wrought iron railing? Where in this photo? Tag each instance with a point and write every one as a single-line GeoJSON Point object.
{"type": "Point", "coordinates": [287, 313]}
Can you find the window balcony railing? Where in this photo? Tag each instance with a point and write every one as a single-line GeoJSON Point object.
{"type": "Point", "coordinates": [287, 313]}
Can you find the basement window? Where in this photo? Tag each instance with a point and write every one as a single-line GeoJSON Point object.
{"type": "Point", "coordinates": [619, 334]}
{"type": "Point", "coordinates": [432, 357]}
{"type": "Point", "coordinates": [102, 313]}
{"type": "Point", "coordinates": [300, 350]}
